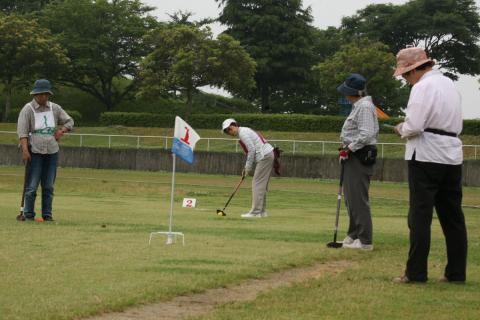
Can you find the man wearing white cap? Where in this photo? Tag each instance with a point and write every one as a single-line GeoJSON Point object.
{"type": "Point", "coordinates": [432, 124]}
{"type": "Point", "coordinates": [260, 153]}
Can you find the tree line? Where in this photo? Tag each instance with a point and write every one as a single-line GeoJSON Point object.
{"type": "Point", "coordinates": [270, 53]}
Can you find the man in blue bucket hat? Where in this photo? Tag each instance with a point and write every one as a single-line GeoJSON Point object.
{"type": "Point", "coordinates": [40, 126]}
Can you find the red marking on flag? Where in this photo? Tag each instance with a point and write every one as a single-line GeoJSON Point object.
{"type": "Point", "coordinates": [187, 136]}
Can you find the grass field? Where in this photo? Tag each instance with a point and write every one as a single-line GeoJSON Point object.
{"type": "Point", "coordinates": [75, 267]}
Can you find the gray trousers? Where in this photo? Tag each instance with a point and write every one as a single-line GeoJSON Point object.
{"type": "Point", "coordinates": [356, 183]}
{"type": "Point", "coordinates": [261, 177]}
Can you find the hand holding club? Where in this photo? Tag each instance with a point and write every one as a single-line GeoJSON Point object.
{"type": "Point", "coordinates": [343, 154]}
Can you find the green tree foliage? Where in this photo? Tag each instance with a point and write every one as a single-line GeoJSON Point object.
{"type": "Point", "coordinates": [183, 18]}
{"type": "Point", "coordinates": [306, 98]}
{"type": "Point", "coordinates": [105, 44]}
{"type": "Point", "coordinates": [26, 51]}
{"type": "Point", "coordinates": [186, 57]}
{"type": "Point", "coordinates": [327, 42]}
{"type": "Point", "coordinates": [370, 59]}
{"type": "Point", "coordinates": [279, 36]}
{"type": "Point", "coordinates": [449, 30]}
{"type": "Point", "coordinates": [22, 6]}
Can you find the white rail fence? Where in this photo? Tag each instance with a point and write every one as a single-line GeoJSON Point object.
{"type": "Point", "coordinates": [386, 149]}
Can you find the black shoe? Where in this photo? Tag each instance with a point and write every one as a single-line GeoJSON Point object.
{"type": "Point", "coordinates": [48, 218]}
{"type": "Point", "coordinates": [21, 217]}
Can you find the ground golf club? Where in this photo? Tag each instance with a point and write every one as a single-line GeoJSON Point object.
{"type": "Point", "coordinates": [222, 212]}
{"type": "Point", "coordinates": [20, 216]}
{"type": "Point", "coordinates": [334, 243]}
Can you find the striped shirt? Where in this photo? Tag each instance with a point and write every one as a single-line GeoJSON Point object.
{"type": "Point", "coordinates": [361, 126]}
{"type": "Point", "coordinates": [253, 141]}
{"type": "Point", "coordinates": [41, 143]}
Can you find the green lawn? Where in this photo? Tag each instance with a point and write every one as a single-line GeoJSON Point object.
{"type": "Point", "coordinates": [301, 146]}
{"type": "Point", "coordinates": [76, 267]}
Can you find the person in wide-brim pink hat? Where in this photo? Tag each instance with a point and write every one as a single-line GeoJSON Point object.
{"type": "Point", "coordinates": [434, 153]}
{"type": "Point", "coordinates": [410, 58]}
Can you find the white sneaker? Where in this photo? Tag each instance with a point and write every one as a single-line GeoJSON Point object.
{"type": "Point", "coordinates": [347, 240]}
{"type": "Point", "coordinates": [251, 215]}
{"type": "Point", "coordinates": [357, 244]}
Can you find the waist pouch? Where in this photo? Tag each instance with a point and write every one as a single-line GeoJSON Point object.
{"type": "Point", "coordinates": [367, 155]}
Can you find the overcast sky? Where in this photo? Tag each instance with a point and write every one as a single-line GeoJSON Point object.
{"type": "Point", "coordinates": [325, 13]}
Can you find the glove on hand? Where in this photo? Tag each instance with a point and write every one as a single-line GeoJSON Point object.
{"type": "Point", "coordinates": [343, 154]}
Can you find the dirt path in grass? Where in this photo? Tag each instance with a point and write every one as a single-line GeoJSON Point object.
{"type": "Point", "coordinates": [202, 303]}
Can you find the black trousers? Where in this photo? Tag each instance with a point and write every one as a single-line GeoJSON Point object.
{"type": "Point", "coordinates": [440, 186]}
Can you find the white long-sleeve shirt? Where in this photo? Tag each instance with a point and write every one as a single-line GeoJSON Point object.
{"type": "Point", "coordinates": [434, 103]}
{"type": "Point", "coordinates": [256, 146]}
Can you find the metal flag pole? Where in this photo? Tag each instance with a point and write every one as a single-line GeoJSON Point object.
{"type": "Point", "coordinates": [171, 236]}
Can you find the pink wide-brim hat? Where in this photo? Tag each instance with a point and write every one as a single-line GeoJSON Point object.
{"type": "Point", "coordinates": [410, 58]}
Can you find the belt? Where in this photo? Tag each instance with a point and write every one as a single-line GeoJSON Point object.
{"type": "Point", "coordinates": [441, 132]}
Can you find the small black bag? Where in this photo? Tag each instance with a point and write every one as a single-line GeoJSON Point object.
{"type": "Point", "coordinates": [367, 155]}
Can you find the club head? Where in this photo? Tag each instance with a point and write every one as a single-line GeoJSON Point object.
{"type": "Point", "coordinates": [334, 245]}
{"type": "Point", "coordinates": [21, 217]}
{"type": "Point", "coordinates": [221, 213]}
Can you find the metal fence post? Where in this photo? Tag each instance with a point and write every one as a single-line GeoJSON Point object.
{"type": "Point", "coordinates": [138, 142]}
{"type": "Point", "coordinates": [293, 146]}
{"type": "Point", "coordinates": [475, 153]}
{"type": "Point", "coordinates": [382, 150]}
{"type": "Point", "coordinates": [166, 143]}
{"type": "Point", "coordinates": [81, 140]}
{"type": "Point", "coordinates": [208, 144]}
{"type": "Point", "coordinates": [109, 142]}
{"type": "Point", "coordinates": [323, 148]}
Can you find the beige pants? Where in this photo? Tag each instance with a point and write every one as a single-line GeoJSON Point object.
{"type": "Point", "coordinates": [261, 177]}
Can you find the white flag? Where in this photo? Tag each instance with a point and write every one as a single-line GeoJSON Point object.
{"type": "Point", "coordinates": [184, 140]}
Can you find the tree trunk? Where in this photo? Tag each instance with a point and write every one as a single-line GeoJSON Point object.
{"type": "Point", "coordinates": [189, 107]}
{"type": "Point", "coordinates": [8, 101]}
{"type": "Point", "coordinates": [265, 96]}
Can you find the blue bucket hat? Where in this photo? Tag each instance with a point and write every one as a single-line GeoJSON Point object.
{"type": "Point", "coordinates": [354, 85]}
{"type": "Point", "coordinates": [42, 86]}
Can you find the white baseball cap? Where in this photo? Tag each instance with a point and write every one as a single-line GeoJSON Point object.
{"type": "Point", "coordinates": [227, 123]}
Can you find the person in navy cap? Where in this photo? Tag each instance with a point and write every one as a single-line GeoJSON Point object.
{"type": "Point", "coordinates": [40, 126]}
{"type": "Point", "coordinates": [357, 156]}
